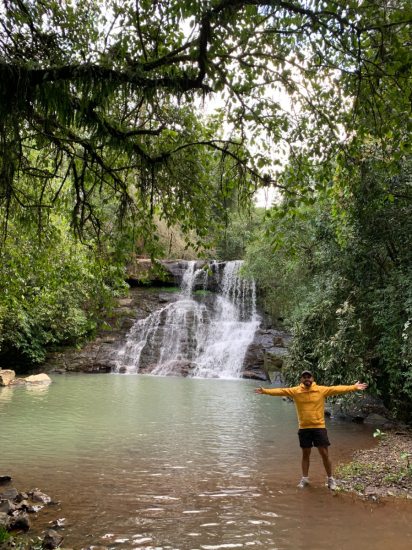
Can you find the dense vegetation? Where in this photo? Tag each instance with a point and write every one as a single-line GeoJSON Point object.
{"type": "Point", "coordinates": [339, 273]}
{"type": "Point", "coordinates": [104, 149]}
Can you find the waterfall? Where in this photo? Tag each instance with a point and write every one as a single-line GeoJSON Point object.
{"type": "Point", "coordinates": [202, 336]}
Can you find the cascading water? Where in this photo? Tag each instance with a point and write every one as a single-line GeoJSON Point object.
{"type": "Point", "coordinates": [200, 336]}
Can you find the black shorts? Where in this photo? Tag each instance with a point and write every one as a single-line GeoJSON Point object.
{"type": "Point", "coordinates": [313, 437]}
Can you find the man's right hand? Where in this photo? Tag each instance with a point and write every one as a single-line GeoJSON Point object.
{"type": "Point", "coordinates": [259, 390]}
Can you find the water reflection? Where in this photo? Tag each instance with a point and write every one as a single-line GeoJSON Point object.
{"type": "Point", "coordinates": [6, 394]}
{"type": "Point", "coordinates": [146, 462]}
{"type": "Point", "coordinates": [36, 390]}
{"type": "Point", "coordinates": [39, 390]}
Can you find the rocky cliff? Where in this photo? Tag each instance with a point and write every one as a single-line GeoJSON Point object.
{"type": "Point", "coordinates": [146, 295]}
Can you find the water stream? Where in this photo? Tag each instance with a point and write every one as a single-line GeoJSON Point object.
{"type": "Point", "coordinates": [207, 335]}
{"type": "Point", "coordinates": [183, 463]}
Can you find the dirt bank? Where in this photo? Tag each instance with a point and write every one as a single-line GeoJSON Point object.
{"type": "Point", "coordinates": [384, 471]}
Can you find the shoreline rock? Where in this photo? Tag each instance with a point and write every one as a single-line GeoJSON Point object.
{"type": "Point", "coordinates": [16, 509]}
{"type": "Point", "coordinates": [8, 378]}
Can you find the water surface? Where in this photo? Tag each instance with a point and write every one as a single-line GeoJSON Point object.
{"type": "Point", "coordinates": [173, 463]}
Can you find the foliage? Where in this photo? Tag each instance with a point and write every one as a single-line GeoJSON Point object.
{"type": "Point", "coordinates": [343, 255]}
{"type": "Point", "coordinates": [407, 458]}
{"type": "Point", "coordinates": [19, 542]}
{"type": "Point", "coordinates": [100, 135]}
{"type": "Point", "coordinates": [52, 291]}
{"type": "Point", "coordinates": [339, 271]}
{"type": "Point", "coordinates": [239, 230]}
{"type": "Point", "coordinates": [100, 95]}
{"type": "Point", "coordinates": [358, 474]}
{"type": "Point", "coordinates": [280, 260]}
{"type": "Point", "coordinates": [4, 535]}
{"type": "Point", "coordinates": [379, 434]}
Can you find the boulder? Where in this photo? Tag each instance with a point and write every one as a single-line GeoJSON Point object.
{"type": "Point", "coordinates": [6, 377]}
{"type": "Point", "coordinates": [58, 523]}
{"type": "Point", "coordinates": [4, 479]}
{"type": "Point", "coordinates": [266, 353]}
{"type": "Point", "coordinates": [9, 494]}
{"type": "Point", "coordinates": [38, 379]}
{"type": "Point", "coordinates": [33, 509]}
{"type": "Point", "coordinates": [38, 496]}
{"type": "Point", "coordinates": [22, 505]}
{"type": "Point", "coordinates": [52, 539]}
{"type": "Point", "coordinates": [360, 408]}
{"type": "Point", "coordinates": [376, 420]}
{"type": "Point", "coordinates": [6, 506]}
{"type": "Point", "coordinates": [20, 523]}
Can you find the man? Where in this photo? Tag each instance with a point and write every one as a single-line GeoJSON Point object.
{"type": "Point", "coordinates": [309, 401]}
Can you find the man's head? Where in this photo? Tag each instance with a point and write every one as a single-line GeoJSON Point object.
{"type": "Point", "coordinates": [306, 378]}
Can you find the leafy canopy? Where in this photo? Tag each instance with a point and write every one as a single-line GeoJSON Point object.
{"type": "Point", "coordinates": [101, 96]}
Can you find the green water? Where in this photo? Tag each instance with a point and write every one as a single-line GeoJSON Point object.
{"type": "Point", "coordinates": [173, 463]}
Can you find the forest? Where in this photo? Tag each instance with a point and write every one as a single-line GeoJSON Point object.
{"type": "Point", "coordinates": [128, 128]}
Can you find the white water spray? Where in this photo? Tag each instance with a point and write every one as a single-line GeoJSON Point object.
{"type": "Point", "coordinates": [187, 336]}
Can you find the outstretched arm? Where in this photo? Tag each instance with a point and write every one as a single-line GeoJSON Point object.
{"type": "Point", "coordinates": [336, 390]}
{"type": "Point", "coordinates": [278, 392]}
{"type": "Point", "coordinates": [361, 386]}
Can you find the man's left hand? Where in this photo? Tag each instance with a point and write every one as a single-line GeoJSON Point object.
{"type": "Point", "coordinates": [361, 386]}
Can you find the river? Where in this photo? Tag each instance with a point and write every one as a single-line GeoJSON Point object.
{"type": "Point", "coordinates": [176, 463]}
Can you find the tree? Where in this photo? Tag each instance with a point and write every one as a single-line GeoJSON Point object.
{"type": "Point", "coordinates": [53, 291]}
{"type": "Point", "coordinates": [100, 118]}
{"type": "Point", "coordinates": [102, 92]}
{"type": "Point", "coordinates": [339, 272]}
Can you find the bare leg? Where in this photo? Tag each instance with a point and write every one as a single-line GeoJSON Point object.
{"type": "Point", "coordinates": [323, 451]}
{"type": "Point", "coordinates": [306, 461]}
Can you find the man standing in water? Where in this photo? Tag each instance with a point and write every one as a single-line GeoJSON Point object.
{"type": "Point", "coordinates": [309, 401]}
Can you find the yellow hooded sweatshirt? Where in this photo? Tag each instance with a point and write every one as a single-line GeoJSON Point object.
{"type": "Point", "coordinates": [310, 402]}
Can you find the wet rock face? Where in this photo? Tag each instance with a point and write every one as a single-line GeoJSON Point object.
{"type": "Point", "coordinates": [175, 368]}
{"type": "Point", "coordinates": [100, 354]}
{"type": "Point", "coordinates": [171, 272]}
{"type": "Point", "coordinates": [266, 352]}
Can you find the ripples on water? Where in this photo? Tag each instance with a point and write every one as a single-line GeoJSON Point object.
{"type": "Point", "coordinates": [172, 463]}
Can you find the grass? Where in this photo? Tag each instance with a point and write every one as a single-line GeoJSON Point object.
{"type": "Point", "coordinates": [383, 470]}
{"type": "Point", "coordinates": [355, 469]}
{"type": "Point", "coordinates": [359, 473]}
{"type": "Point", "coordinates": [20, 543]}
{"type": "Point", "coordinates": [4, 535]}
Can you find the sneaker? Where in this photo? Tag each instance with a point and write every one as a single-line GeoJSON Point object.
{"type": "Point", "coordinates": [303, 482]}
{"type": "Point", "coordinates": [332, 484]}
